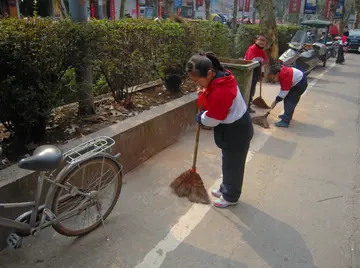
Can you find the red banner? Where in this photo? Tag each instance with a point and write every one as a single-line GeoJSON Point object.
{"type": "Point", "coordinates": [327, 8]}
{"type": "Point", "coordinates": [112, 9]}
{"type": "Point", "coordinates": [247, 6]}
{"type": "Point", "coordinates": [294, 6]}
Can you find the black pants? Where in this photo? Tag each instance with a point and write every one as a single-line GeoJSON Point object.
{"type": "Point", "coordinates": [234, 141]}
{"type": "Point", "coordinates": [340, 56]}
{"type": "Point", "coordinates": [293, 98]}
{"type": "Point", "coordinates": [255, 80]}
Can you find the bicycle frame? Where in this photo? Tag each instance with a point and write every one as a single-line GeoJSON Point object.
{"type": "Point", "coordinates": [29, 222]}
{"type": "Point", "coordinates": [31, 228]}
{"type": "Point", "coordinates": [25, 228]}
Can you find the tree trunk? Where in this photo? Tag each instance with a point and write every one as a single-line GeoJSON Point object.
{"type": "Point", "coordinates": [78, 12]}
{"type": "Point", "coordinates": [86, 98]}
{"type": "Point", "coordinates": [235, 12]}
{"type": "Point", "coordinates": [268, 27]}
{"type": "Point", "coordinates": [357, 14]}
{"type": "Point", "coordinates": [207, 9]}
{"type": "Point", "coordinates": [170, 7]}
{"type": "Point", "coordinates": [333, 10]}
{"type": "Point", "coordinates": [122, 9]}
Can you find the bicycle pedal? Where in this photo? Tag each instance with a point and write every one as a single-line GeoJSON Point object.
{"type": "Point", "coordinates": [50, 216]}
{"type": "Point", "coordinates": [14, 241]}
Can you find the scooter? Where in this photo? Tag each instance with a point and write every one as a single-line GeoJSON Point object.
{"type": "Point", "coordinates": [304, 57]}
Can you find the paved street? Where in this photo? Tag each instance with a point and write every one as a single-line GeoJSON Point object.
{"type": "Point", "coordinates": [299, 208]}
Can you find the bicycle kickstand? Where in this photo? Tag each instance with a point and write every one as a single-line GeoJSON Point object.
{"type": "Point", "coordinates": [102, 220]}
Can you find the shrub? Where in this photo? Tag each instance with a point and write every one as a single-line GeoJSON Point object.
{"type": "Point", "coordinates": [246, 33]}
{"type": "Point", "coordinates": [38, 58]}
{"type": "Point", "coordinates": [34, 55]}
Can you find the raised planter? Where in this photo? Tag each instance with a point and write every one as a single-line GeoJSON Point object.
{"type": "Point", "coordinates": [243, 72]}
{"type": "Point", "coordinates": [137, 139]}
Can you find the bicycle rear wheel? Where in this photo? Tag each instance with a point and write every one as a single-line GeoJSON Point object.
{"type": "Point", "coordinates": [101, 175]}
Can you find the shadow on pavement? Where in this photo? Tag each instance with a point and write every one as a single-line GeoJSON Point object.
{"type": "Point", "coordinates": [336, 95]}
{"type": "Point", "coordinates": [309, 130]}
{"type": "Point", "coordinates": [187, 255]}
{"type": "Point", "coordinates": [276, 242]}
{"type": "Point", "coordinates": [278, 148]}
{"type": "Point", "coordinates": [344, 74]}
{"type": "Point", "coordinates": [323, 81]}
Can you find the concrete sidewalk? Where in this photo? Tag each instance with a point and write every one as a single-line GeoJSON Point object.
{"type": "Point", "coordinates": [299, 207]}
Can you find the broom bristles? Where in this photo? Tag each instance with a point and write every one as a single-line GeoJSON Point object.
{"type": "Point", "coordinates": [190, 184]}
{"type": "Point", "coordinates": [261, 121]}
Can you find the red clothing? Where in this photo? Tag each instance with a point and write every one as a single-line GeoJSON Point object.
{"type": "Point", "coordinates": [343, 39]}
{"type": "Point", "coordinates": [288, 78]}
{"type": "Point", "coordinates": [256, 53]}
{"type": "Point", "coordinates": [222, 101]}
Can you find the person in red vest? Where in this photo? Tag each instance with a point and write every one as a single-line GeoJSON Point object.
{"type": "Point", "coordinates": [293, 84]}
{"type": "Point", "coordinates": [256, 52]}
{"type": "Point", "coordinates": [223, 108]}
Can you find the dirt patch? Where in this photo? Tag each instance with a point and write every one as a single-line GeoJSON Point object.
{"type": "Point", "coordinates": [65, 125]}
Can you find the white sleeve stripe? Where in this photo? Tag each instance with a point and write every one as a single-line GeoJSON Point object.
{"type": "Point", "coordinates": [283, 93]}
{"type": "Point", "coordinates": [208, 121]}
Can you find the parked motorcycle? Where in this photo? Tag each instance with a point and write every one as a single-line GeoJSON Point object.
{"type": "Point", "coordinates": [304, 57]}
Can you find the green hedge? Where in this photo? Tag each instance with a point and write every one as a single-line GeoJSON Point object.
{"type": "Point", "coordinates": [38, 57]}
{"type": "Point", "coordinates": [246, 33]}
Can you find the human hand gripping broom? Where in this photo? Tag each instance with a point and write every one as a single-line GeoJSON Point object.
{"type": "Point", "coordinates": [190, 183]}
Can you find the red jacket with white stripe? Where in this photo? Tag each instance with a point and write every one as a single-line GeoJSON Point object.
{"type": "Point", "coordinates": [222, 101]}
{"type": "Point", "coordinates": [288, 78]}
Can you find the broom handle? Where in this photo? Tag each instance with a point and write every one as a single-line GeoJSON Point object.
{"type": "Point", "coordinates": [260, 83]}
{"type": "Point", "coordinates": [196, 147]}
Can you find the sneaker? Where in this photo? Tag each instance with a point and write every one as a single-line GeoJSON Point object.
{"type": "Point", "coordinates": [282, 124]}
{"type": "Point", "coordinates": [281, 116]}
{"type": "Point", "coordinates": [222, 203]}
{"type": "Point", "coordinates": [216, 193]}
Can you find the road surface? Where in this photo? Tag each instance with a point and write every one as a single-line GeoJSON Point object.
{"type": "Point", "coordinates": [299, 207]}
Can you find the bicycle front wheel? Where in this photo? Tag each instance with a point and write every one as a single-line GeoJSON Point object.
{"type": "Point", "coordinates": [99, 176]}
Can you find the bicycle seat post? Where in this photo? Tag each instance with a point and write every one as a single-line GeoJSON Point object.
{"type": "Point", "coordinates": [39, 186]}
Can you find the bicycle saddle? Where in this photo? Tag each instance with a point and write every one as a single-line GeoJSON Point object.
{"type": "Point", "coordinates": [44, 158]}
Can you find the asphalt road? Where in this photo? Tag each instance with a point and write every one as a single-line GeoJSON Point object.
{"type": "Point", "coordinates": [299, 208]}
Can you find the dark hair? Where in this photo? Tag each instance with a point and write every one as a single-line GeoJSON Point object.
{"type": "Point", "coordinates": [259, 35]}
{"type": "Point", "coordinates": [202, 63]}
{"type": "Point", "coordinates": [275, 68]}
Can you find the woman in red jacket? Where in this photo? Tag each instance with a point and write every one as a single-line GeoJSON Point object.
{"type": "Point", "coordinates": [256, 52]}
{"type": "Point", "coordinates": [293, 84]}
{"type": "Point", "coordinates": [224, 109]}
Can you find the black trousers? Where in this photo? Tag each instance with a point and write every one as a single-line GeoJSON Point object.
{"type": "Point", "coordinates": [293, 98]}
{"type": "Point", "coordinates": [255, 80]}
{"type": "Point", "coordinates": [340, 56]}
{"type": "Point", "coordinates": [234, 141]}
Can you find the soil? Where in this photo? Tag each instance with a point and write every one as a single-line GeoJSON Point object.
{"type": "Point", "coordinates": [66, 125]}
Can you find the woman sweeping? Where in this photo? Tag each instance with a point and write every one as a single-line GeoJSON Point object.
{"type": "Point", "coordinates": [223, 108]}
{"type": "Point", "coordinates": [293, 84]}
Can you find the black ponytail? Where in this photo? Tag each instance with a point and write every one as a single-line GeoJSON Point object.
{"type": "Point", "coordinates": [275, 68]}
{"type": "Point", "coordinates": [215, 62]}
{"type": "Point", "coordinates": [203, 62]}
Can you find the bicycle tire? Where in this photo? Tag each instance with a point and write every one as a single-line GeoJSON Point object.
{"type": "Point", "coordinates": [58, 227]}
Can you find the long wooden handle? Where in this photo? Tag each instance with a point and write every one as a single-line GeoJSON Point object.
{"type": "Point", "coordinates": [260, 84]}
{"type": "Point", "coordinates": [196, 147]}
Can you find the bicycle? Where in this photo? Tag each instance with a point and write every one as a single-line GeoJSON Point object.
{"type": "Point", "coordinates": [64, 201]}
